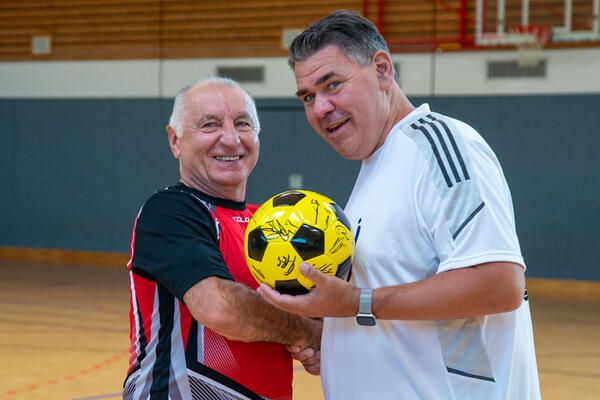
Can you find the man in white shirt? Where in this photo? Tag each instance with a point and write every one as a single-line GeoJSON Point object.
{"type": "Point", "coordinates": [436, 306]}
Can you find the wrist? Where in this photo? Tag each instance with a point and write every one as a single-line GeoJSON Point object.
{"type": "Point", "coordinates": [354, 302]}
{"type": "Point", "coordinates": [311, 333]}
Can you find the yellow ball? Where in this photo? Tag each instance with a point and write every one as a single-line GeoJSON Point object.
{"type": "Point", "coordinates": [296, 226]}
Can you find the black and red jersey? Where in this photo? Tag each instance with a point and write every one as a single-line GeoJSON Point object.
{"type": "Point", "coordinates": [180, 237]}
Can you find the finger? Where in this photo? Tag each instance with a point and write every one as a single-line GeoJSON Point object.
{"type": "Point", "coordinates": [293, 349]}
{"type": "Point", "coordinates": [313, 369]}
{"type": "Point", "coordinates": [304, 355]}
{"type": "Point", "coordinates": [303, 359]}
{"type": "Point", "coordinates": [310, 361]}
{"type": "Point", "coordinates": [310, 272]}
{"type": "Point", "coordinates": [269, 294]}
{"type": "Point", "coordinates": [301, 351]}
{"type": "Point", "coordinates": [265, 291]}
{"type": "Point", "coordinates": [286, 302]}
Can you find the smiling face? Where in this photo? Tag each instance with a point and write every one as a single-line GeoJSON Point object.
{"type": "Point", "coordinates": [218, 146]}
{"type": "Point", "coordinates": [345, 103]}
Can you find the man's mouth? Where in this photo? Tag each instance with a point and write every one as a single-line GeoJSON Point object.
{"type": "Point", "coordinates": [227, 158]}
{"type": "Point", "coordinates": [337, 125]}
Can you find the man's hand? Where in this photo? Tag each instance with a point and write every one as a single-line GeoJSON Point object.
{"type": "Point", "coordinates": [331, 296]}
{"type": "Point", "coordinates": [310, 359]}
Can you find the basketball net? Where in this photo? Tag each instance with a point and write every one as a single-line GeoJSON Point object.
{"type": "Point", "coordinates": [531, 51]}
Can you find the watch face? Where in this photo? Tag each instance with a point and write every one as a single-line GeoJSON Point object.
{"type": "Point", "coordinates": [365, 320]}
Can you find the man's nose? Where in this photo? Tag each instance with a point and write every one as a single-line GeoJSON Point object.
{"type": "Point", "coordinates": [322, 106]}
{"type": "Point", "coordinates": [230, 136]}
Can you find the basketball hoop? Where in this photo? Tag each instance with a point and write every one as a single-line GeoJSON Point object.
{"type": "Point", "coordinates": [530, 47]}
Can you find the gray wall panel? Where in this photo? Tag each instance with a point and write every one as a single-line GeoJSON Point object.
{"type": "Point", "coordinates": [63, 171]}
{"type": "Point", "coordinates": [8, 169]}
{"type": "Point", "coordinates": [77, 171]}
{"type": "Point", "coordinates": [142, 160]}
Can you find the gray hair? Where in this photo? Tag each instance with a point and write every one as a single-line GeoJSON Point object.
{"type": "Point", "coordinates": [354, 34]}
{"type": "Point", "coordinates": [178, 113]}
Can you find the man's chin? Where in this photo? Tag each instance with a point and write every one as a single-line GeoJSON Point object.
{"type": "Point", "coordinates": [345, 152]}
{"type": "Point", "coordinates": [231, 181]}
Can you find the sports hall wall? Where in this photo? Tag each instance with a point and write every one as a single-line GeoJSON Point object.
{"type": "Point", "coordinates": [77, 162]}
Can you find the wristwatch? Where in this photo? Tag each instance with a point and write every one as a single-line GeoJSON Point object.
{"type": "Point", "coordinates": [365, 315]}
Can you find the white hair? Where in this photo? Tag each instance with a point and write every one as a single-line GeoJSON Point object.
{"type": "Point", "coordinates": [179, 109]}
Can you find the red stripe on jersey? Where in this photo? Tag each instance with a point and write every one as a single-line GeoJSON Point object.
{"type": "Point", "coordinates": [144, 289]}
{"type": "Point", "coordinates": [185, 323]}
{"type": "Point", "coordinates": [133, 353]}
{"type": "Point", "coordinates": [264, 368]}
{"type": "Point", "coordinates": [231, 242]}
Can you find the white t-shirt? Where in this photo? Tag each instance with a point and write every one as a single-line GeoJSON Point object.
{"type": "Point", "coordinates": [433, 198]}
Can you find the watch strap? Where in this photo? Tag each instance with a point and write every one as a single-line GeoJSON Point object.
{"type": "Point", "coordinates": [365, 315]}
{"type": "Point", "coordinates": [365, 301]}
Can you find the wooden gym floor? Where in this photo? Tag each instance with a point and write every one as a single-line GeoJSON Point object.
{"type": "Point", "coordinates": [64, 335]}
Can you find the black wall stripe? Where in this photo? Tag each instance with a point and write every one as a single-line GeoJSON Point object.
{"type": "Point", "coordinates": [466, 221]}
{"type": "Point", "coordinates": [444, 148]}
{"type": "Point", "coordinates": [162, 365]}
{"type": "Point", "coordinates": [454, 146]}
{"type": "Point", "coordinates": [435, 152]}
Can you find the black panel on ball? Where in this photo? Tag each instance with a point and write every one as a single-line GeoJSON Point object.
{"type": "Point", "coordinates": [288, 198]}
{"type": "Point", "coordinates": [309, 242]}
{"type": "Point", "coordinates": [341, 216]}
{"type": "Point", "coordinates": [344, 269]}
{"type": "Point", "coordinates": [291, 286]}
{"type": "Point", "coordinates": [257, 244]}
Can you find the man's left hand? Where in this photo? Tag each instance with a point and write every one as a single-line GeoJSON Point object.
{"type": "Point", "coordinates": [310, 359]}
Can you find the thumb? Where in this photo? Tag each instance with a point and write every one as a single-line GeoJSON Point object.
{"type": "Point", "coordinates": [312, 273]}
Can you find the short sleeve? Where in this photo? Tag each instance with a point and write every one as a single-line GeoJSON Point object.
{"type": "Point", "coordinates": [463, 197]}
{"type": "Point", "coordinates": [176, 242]}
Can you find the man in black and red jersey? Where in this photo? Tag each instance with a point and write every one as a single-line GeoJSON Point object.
{"type": "Point", "coordinates": [198, 329]}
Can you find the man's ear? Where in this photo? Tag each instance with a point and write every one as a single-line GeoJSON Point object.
{"type": "Point", "coordinates": [384, 67]}
{"type": "Point", "coordinates": [173, 141]}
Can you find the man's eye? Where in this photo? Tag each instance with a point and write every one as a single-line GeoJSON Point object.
{"type": "Point", "coordinates": [333, 85]}
{"type": "Point", "coordinates": [209, 126]}
{"type": "Point", "coordinates": [308, 98]}
{"type": "Point", "coordinates": [244, 125]}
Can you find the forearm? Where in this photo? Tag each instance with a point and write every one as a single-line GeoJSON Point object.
{"type": "Point", "coordinates": [239, 313]}
{"type": "Point", "coordinates": [467, 292]}
{"type": "Point", "coordinates": [252, 319]}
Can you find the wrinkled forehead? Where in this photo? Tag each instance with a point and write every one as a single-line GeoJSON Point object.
{"type": "Point", "coordinates": [319, 67]}
{"type": "Point", "coordinates": [328, 54]}
{"type": "Point", "coordinates": [218, 100]}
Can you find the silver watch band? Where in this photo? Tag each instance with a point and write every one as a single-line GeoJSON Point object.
{"type": "Point", "coordinates": [365, 301]}
{"type": "Point", "coordinates": [365, 315]}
